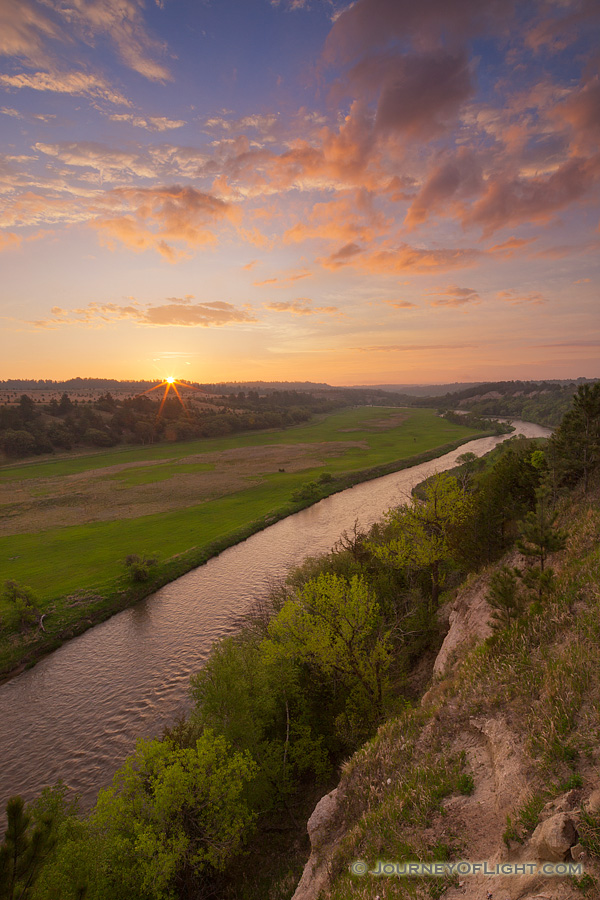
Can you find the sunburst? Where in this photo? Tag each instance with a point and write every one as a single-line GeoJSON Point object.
{"type": "Point", "coordinates": [170, 383]}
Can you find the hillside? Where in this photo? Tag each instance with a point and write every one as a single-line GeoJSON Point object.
{"type": "Point", "coordinates": [543, 402]}
{"type": "Point", "coordinates": [500, 760]}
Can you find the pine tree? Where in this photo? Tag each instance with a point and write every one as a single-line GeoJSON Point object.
{"type": "Point", "coordinates": [575, 446]}
{"type": "Point", "coordinates": [504, 597]}
{"type": "Point", "coordinates": [538, 535]}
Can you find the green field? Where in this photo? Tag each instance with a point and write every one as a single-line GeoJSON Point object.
{"type": "Point", "coordinates": [89, 556]}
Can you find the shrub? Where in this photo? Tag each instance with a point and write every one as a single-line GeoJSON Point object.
{"type": "Point", "coordinates": [140, 567]}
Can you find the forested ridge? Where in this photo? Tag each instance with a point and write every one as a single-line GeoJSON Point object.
{"type": "Point", "coordinates": [215, 807]}
{"type": "Point", "coordinates": [28, 428]}
{"type": "Point", "coordinates": [30, 424]}
{"type": "Point", "coordinates": [544, 402]}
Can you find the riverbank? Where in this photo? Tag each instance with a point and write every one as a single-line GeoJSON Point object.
{"type": "Point", "coordinates": [84, 609]}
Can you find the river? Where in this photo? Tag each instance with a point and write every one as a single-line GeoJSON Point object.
{"type": "Point", "coordinates": [77, 714]}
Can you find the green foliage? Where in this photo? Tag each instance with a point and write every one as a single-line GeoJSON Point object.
{"type": "Point", "coordinates": [140, 567]}
{"type": "Point", "coordinates": [575, 446]}
{"type": "Point", "coordinates": [30, 837]}
{"type": "Point", "coordinates": [538, 535]}
{"type": "Point", "coordinates": [17, 442]}
{"type": "Point", "coordinates": [504, 597]}
{"type": "Point", "coordinates": [589, 832]}
{"type": "Point", "coordinates": [427, 530]}
{"type": "Point", "coordinates": [20, 606]}
{"type": "Point", "coordinates": [309, 491]}
{"type": "Point", "coordinates": [503, 493]}
{"type": "Point", "coordinates": [260, 707]}
{"type": "Point", "coordinates": [334, 626]}
{"type": "Point", "coordinates": [171, 820]}
{"type": "Point", "coordinates": [586, 884]}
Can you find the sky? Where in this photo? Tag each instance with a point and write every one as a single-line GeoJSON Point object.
{"type": "Point", "coordinates": [385, 191]}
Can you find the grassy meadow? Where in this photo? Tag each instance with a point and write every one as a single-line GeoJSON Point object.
{"type": "Point", "coordinates": [67, 524]}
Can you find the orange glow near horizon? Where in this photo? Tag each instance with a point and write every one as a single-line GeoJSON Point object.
{"type": "Point", "coordinates": [169, 384]}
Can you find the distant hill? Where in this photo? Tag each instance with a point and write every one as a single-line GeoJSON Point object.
{"type": "Point", "coordinates": [544, 402]}
{"type": "Point", "coordinates": [419, 390]}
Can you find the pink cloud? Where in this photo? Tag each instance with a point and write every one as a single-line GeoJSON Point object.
{"type": "Point", "coordinates": [162, 216]}
{"type": "Point", "coordinates": [402, 259]}
{"type": "Point", "coordinates": [458, 177]}
{"type": "Point", "coordinates": [176, 311]}
{"type": "Point", "coordinates": [348, 218]}
{"type": "Point", "coordinates": [302, 307]}
{"type": "Point", "coordinates": [512, 201]}
{"type": "Point", "coordinates": [511, 246]}
{"type": "Point", "coordinates": [371, 24]}
{"type": "Point", "coordinates": [9, 240]}
{"type": "Point", "coordinates": [283, 281]}
{"type": "Point", "coordinates": [455, 296]}
{"type": "Point", "coordinates": [420, 96]}
{"type": "Point", "coordinates": [516, 297]}
{"type": "Point", "coordinates": [401, 304]}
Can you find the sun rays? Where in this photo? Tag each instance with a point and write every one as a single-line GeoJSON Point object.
{"type": "Point", "coordinates": [169, 384]}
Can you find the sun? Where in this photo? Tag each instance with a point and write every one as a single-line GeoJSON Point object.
{"type": "Point", "coordinates": [170, 383]}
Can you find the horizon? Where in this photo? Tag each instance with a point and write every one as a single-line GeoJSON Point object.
{"type": "Point", "coordinates": [373, 193]}
{"type": "Point", "coordinates": [308, 383]}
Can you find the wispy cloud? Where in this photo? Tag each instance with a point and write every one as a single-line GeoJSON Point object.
{"type": "Point", "coordinates": [9, 240]}
{"type": "Point", "coordinates": [402, 259]}
{"type": "Point", "coordinates": [413, 348]}
{"type": "Point", "coordinates": [78, 84]}
{"type": "Point", "coordinates": [175, 311]}
{"type": "Point", "coordinates": [302, 307]}
{"type": "Point", "coordinates": [454, 296]}
{"type": "Point", "coordinates": [158, 218]}
{"type": "Point", "coordinates": [517, 297]}
{"type": "Point", "coordinates": [284, 280]}
{"type": "Point", "coordinates": [401, 304]}
{"type": "Point", "coordinates": [150, 123]}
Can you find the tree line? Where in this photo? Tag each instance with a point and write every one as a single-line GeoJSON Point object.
{"type": "Point", "coordinates": [28, 428]}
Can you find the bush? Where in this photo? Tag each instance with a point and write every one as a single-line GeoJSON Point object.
{"type": "Point", "coordinates": [140, 567]}
{"type": "Point", "coordinates": [20, 606]}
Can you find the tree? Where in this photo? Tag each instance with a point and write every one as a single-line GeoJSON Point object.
{"type": "Point", "coordinates": [65, 405]}
{"type": "Point", "coordinates": [538, 535]}
{"type": "Point", "coordinates": [25, 847]}
{"type": "Point", "coordinates": [258, 702]}
{"type": "Point", "coordinates": [173, 817]}
{"type": "Point", "coordinates": [20, 605]}
{"type": "Point", "coordinates": [18, 442]}
{"type": "Point", "coordinates": [428, 530]}
{"type": "Point", "coordinates": [140, 567]}
{"type": "Point", "coordinates": [576, 443]}
{"type": "Point", "coordinates": [335, 626]}
{"type": "Point", "coordinates": [504, 597]}
{"type": "Point", "coordinates": [467, 462]}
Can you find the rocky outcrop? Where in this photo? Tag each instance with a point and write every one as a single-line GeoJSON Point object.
{"type": "Point", "coordinates": [469, 619]}
{"type": "Point", "coordinates": [323, 828]}
{"type": "Point", "coordinates": [552, 840]}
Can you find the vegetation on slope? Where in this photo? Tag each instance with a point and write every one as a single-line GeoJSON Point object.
{"type": "Point", "coordinates": [543, 402]}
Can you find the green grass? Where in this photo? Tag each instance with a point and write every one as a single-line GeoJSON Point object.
{"type": "Point", "coordinates": [422, 430]}
{"type": "Point", "coordinates": [89, 556]}
{"type": "Point", "coordinates": [59, 562]}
